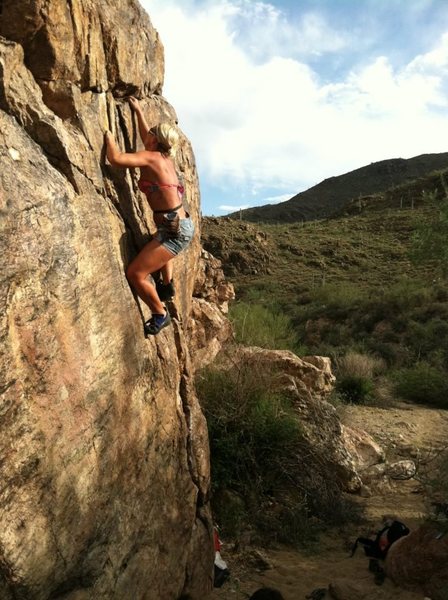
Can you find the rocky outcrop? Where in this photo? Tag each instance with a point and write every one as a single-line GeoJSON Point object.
{"type": "Point", "coordinates": [420, 559]}
{"type": "Point", "coordinates": [364, 450]}
{"type": "Point", "coordinates": [209, 328]}
{"type": "Point", "coordinates": [308, 382]}
{"type": "Point", "coordinates": [312, 374]}
{"type": "Point", "coordinates": [105, 468]}
{"type": "Point", "coordinates": [243, 248]}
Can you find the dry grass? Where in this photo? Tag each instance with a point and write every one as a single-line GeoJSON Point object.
{"type": "Point", "coordinates": [355, 364]}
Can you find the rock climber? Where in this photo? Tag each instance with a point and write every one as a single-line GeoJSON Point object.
{"type": "Point", "coordinates": [175, 229]}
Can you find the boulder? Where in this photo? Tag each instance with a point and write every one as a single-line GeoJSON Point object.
{"type": "Point", "coordinates": [402, 469]}
{"type": "Point", "coordinates": [421, 559]}
{"type": "Point", "coordinates": [365, 451]}
{"type": "Point", "coordinates": [316, 380]}
{"type": "Point", "coordinates": [308, 386]}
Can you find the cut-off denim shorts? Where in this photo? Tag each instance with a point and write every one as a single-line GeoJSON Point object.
{"type": "Point", "coordinates": [176, 244]}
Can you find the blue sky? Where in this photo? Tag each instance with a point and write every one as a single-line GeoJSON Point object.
{"type": "Point", "coordinates": [277, 96]}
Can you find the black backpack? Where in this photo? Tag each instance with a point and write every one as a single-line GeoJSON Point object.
{"type": "Point", "coordinates": [384, 539]}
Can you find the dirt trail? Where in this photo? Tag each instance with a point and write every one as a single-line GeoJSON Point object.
{"type": "Point", "coordinates": [403, 431]}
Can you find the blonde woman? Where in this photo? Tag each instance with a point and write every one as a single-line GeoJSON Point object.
{"type": "Point", "coordinates": [175, 229]}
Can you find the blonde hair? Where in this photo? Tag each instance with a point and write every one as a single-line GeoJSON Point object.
{"type": "Point", "coordinates": [167, 137]}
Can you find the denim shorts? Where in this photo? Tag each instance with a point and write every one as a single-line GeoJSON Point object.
{"type": "Point", "coordinates": [178, 243]}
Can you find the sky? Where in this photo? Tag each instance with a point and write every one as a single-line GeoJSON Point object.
{"type": "Point", "coordinates": [278, 96]}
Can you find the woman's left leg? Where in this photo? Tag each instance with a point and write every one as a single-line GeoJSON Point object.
{"type": "Point", "coordinates": [151, 258]}
{"type": "Point", "coordinates": [167, 272]}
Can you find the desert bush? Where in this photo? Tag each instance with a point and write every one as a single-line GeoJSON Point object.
{"type": "Point", "coordinates": [429, 240]}
{"type": "Point", "coordinates": [252, 431]}
{"type": "Point", "coordinates": [392, 353]}
{"type": "Point", "coordinates": [424, 384]}
{"type": "Point", "coordinates": [429, 340]}
{"type": "Point", "coordinates": [257, 325]}
{"type": "Point", "coordinates": [338, 335]}
{"type": "Point", "coordinates": [354, 376]}
{"type": "Point", "coordinates": [432, 474]}
{"type": "Point", "coordinates": [338, 299]}
{"type": "Point", "coordinates": [356, 364]}
{"type": "Point", "coordinates": [383, 394]}
{"type": "Point", "coordinates": [391, 302]}
{"type": "Point", "coordinates": [289, 522]}
{"type": "Point", "coordinates": [259, 481]}
{"type": "Point", "coordinates": [354, 389]}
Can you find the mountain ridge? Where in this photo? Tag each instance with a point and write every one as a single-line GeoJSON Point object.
{"type": "Point", "coordinates": [332, 194]}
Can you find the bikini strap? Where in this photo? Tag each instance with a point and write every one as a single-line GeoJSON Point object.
{"type": "Point", "coordinates": [165, 210]}
{"type": "Point", "coordinates": [149, 186]}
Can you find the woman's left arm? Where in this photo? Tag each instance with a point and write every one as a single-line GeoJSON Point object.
{"type": "Point", "coordinates": [124, 159]}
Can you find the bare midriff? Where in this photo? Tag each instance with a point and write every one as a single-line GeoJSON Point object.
{"type": "Point", "coordinates": [162, 198]}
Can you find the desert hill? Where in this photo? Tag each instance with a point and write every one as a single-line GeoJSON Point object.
{"type": "Point", "coordinates": [346, 287]}
{"type": "Point", "coordinates": [367, 241]}
{"type": "Point", "coordinates": [329, 196]}
{"type": "Point", "coordinates": [352, 273]}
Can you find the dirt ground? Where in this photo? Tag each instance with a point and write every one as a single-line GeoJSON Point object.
{"type": "Point", "coordinates": [404, 431]}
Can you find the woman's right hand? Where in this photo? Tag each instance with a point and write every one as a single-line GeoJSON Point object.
{"type": "Point", "coordinates": [135, 104]}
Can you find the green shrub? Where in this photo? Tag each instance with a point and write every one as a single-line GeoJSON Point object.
{"type": "Point", "coordinates": [252, 428]}
{"type": "Point", "coordinates": [429, 339]}
{"type": "Point", "coordinates": [259, 481]}
{"type": "Point", "coordinates": [337, 300]}
{"type": "Point", "coordinates": [289, 522]}
{"type": "Point", "coordinates": [338, 334]}
{"type": "Point", "coordinates": [424, 384]}
{"type": "Point", "coordinates": [354, 388]}
{"type": "Point", "coordinates": [256, 325]}
{"type": "Point", "coordinates": [429, 240]}
{"type": "Point", "coordinates": [391, 303]}
{"type": "Point", "coordinates": [406, 293]}
{"type": "Point", "coordinates": [392, 353]}
{"type": "Point", "coordinates": [231, 511]}
{"type": "Point", "coordinates": [354, 376]}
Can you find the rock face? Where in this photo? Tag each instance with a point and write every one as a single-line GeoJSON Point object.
{"type": "Point", "coordinates": [105, 468]}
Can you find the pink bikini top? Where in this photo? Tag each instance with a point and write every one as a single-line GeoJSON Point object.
{"type": "Point", "coordinates": [148, 187]}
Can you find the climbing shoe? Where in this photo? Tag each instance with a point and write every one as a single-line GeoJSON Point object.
{"type": "Point", "coordinates": [156, 323]}
{"type": "Point", "coordinates": [165, 290]}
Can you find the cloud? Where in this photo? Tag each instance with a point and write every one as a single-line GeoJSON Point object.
{"type": "Point", "coordinates": [263, 30]}
{"type": "Point", "coordinates": [259, 201]}
{"type": "Point", "coordinates": [435, 61]}
{"type": "Point", "coordinates": [277, 199]}
{"type": "Point", "coordinates": [261, 117]}
{"type": "Point", "coordinates": [230, 208]}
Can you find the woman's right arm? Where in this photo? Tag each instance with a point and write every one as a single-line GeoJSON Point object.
{"type": "Point", "coordinates": [125, 159]}
{"type": "Point", "coordinates": [143, 126]}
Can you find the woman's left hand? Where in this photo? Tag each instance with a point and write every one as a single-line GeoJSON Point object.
{"type": "Point", "coordinates": [135, 104]}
